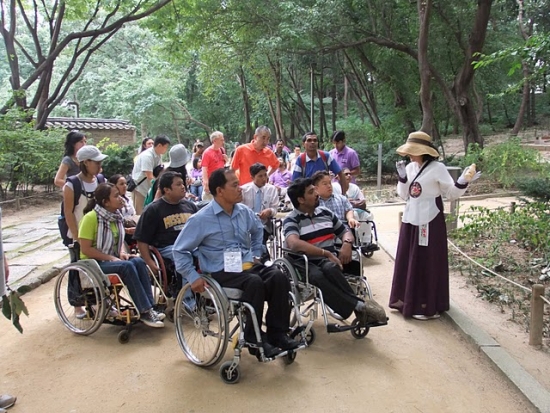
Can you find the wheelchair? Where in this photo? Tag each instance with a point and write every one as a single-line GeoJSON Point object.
{"type": "Point", "coordinates": [309, 298]}
{"type": "Point", "coordinates": [206, 323]}
{"type": "Point", "coordinates": [103, 297]}
{"type": "Point", "coordinates": [366, 234]}
{"type": "Point", "coordinates": [166, 285]}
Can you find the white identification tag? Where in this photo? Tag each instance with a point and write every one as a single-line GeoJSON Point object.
{"type": "Point", "coordinates": [232, 260]}
{"type": "Point", "coordinates": [423, 235]}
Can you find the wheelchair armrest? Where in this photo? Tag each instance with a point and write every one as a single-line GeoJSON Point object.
{"type": "Point", "coordinates": [300, 254]}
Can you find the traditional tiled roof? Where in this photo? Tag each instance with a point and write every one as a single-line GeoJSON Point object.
{"type": "Point", "coordinates": [89, 123]}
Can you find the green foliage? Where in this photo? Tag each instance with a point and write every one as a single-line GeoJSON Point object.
{"type": "Point", "coordinates": [12, 307]}
{"type": "Point", "coordinates": [120, 158]}
{"type": "Point", "coordinates": [28, 157]}
{"type": "Point", "coordinates": [506, 163]}
{"type": "Point", "coordinates": [528, 226]}
{"type": "Point", "coordinates": [536, 187]}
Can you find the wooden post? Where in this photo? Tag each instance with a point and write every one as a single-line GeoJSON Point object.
{"type": "Point", "coordinates": [512, 207]}
{"type": "Point", "coordinates": [537, 312]}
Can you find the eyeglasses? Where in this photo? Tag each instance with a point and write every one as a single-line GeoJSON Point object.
{"type": "Point", "coordinates": [311, 140]}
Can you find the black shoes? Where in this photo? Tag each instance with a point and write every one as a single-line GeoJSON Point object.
{"type": "Point", "coordinates": [283, 341]}
{"type": "Point", "coordinates": [269, 350]}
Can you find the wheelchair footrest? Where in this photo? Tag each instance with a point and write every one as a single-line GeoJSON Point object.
{"type": "Point", "coordinates": [337, 328]}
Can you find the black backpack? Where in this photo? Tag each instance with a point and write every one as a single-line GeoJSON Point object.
{"type": "Point", "coordinates": [77, 190]}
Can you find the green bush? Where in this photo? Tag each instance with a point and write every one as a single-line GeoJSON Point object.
{"type": "Point", "coordinates": [28, 157]}
{"type": "Point", "coordinates": [507, 163]}
{"type": "Point", "coordinates": [535, 187]}
{"type": "Point", "coordinates": [528, 226]}
{"type": "Point", "coordinates": [120, 158]}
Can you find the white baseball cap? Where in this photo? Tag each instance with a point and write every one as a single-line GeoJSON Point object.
{"type": "Point", "coordinates": [90, 153]}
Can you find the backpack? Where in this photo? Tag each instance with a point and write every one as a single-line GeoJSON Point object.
{"type": "Point", "coordinates": [77, 190]}
{"type": "Point", "coordinates": [323, 156]}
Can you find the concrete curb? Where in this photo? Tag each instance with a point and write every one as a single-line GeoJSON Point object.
{"type": "Point", "coordinates": [533, 391]}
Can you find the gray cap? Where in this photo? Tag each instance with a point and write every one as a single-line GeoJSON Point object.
{"type": "Point", "coordinates": [179, 156]}
{"type": "Point", "coordinates": [89, 153]}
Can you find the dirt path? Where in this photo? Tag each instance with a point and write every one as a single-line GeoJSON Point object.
{"type": "Point", "coordinates": [408, 366]}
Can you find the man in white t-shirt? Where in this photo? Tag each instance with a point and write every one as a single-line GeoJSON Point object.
{"type": "Point", "coordinates": [142, 173]}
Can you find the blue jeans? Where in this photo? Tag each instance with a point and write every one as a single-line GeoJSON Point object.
{"type": "Point", "coordinates": [196, 190]}
{"type": "Point", "coordinates": [134, 275]}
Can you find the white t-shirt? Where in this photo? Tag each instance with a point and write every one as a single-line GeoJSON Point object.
{"type": "Point", "coordinates": [146, 161]}
{"type": "Point", "coordinates": [88, 189]}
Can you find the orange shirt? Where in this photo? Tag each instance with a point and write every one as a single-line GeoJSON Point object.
{"type": "Point", "coordinates": [246, 155]}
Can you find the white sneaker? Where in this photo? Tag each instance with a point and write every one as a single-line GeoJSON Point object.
{"type": "Point", "coordinates": [425, 317]}
{"type": "Point", "coordinates": [161, 316]}
{"type": "Point", "coordinates": [149, 318]}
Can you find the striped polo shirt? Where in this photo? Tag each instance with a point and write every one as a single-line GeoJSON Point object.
{"type": "Point", "coordinates": [320, 229]}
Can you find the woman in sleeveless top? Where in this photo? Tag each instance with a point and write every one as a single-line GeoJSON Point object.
{"type": "Point", "coordinates": [69, 164]}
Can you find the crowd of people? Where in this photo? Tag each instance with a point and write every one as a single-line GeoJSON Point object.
{"type": "Point", "coordinates": [218, 208]}
{"type": "Point", "coordinates": [215, 209]}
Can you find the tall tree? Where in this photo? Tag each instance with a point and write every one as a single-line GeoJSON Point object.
{"type": "Point", "coordinates": [55, 29]}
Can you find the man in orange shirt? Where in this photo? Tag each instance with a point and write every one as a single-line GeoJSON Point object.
{"type": "Point", "coordinates": [253, 152]}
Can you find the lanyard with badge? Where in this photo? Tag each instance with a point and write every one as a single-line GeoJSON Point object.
{"type": "Point", "coordinates": [232, 255]}
{"type": "Point", "coordinates": [415, 190]}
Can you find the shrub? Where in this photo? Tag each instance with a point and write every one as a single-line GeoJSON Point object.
{"type": "Point", "coordinates": [28, 157]}
{"type": "Point", "coordinates": [120, 158]}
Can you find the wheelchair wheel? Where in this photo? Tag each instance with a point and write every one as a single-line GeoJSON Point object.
{"type": "Point", "coordinates": [290, 357]}
{"type": "Point", "coordinates": [78, 287]}
{"type": "Point", "coordinates": [202, 324]}
{"type": "Point", "coordinates": [228, 375]}
{"type": "Point", "coordinates": [310, 336]}
{"type": "Point", "coordinates": [359, 332]}
{"type": "Point", "coordinates": [124, 337]}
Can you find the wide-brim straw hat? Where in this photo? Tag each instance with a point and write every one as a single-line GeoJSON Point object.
{"type": "Point", "coordinates": [418, 144]}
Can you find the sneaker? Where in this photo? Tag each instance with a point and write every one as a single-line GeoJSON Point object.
{"type": "Point", "coordinates": [80, 313]}
{"type": "Point", "coordinates": [113, 313]}
{"type": "Point", "coordinates": [161, 316]}
{"type": "Point", "coordinates": [425, 317]}
{"type": "Point", "coordinates": [149, 318]}
{"type": "Point", "coordinates": [375, 310]}
{"type": "Point", "coordinates": [6, 401]}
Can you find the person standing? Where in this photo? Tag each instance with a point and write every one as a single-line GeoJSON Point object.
{"type": "Point", "coordinates": [214, 157]}
{"type": "Point", "coordinates": [69, 163]}
{"type": "Point", "coordinates": [281, 153]}
{"type": "Point", "coordinates": [255, 151]}
{"type": "Point", "coordinates": [314, 160]}
{"type": "Point", "coordinates": [344, 155]}
{"type": "Point", "coordinates": [142, 173]}
{"type": "Point", "coordinates": [420, 287]}
{"type": "Point", "coordinates": [293, 156]}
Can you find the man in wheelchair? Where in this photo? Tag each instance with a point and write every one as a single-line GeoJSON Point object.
{"type": "Point", "coordinates": [163, 219]}
{"type": "Point", "coordinates": [226, 237]}
{"type": "Point", "coordinates": [262, 198]}
{"type": "Point", "coordinates": [312, 230]}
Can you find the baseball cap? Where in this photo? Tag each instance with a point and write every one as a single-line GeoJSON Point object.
{"type": "Point", "coordinates": [90, 153]}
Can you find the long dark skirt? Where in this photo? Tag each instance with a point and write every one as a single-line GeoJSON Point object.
{"type": "Point", "coordinates": [421, 274]}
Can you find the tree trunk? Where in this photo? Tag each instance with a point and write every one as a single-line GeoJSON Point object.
{"type": "Point", "coordinates": [424, 10]}
{"type": "Point", "coordinates": [524, 106]}
{"type": "Point", "coordinates": [249, 133]}
{"type": "Point", "coordinates": [462, 86]}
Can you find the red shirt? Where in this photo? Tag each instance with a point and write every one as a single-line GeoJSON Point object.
{"type": "Point", "coordinates": [246, 156]}
{"type": "Point", "coordinates": [212, 159]}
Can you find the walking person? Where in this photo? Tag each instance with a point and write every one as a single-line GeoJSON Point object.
{"type": "Point", "coordinates": [142, 173]}
{"type": "Point", "coordinates": [420, 287]}
{"type": "Point", "coordinates": [6, 400]}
